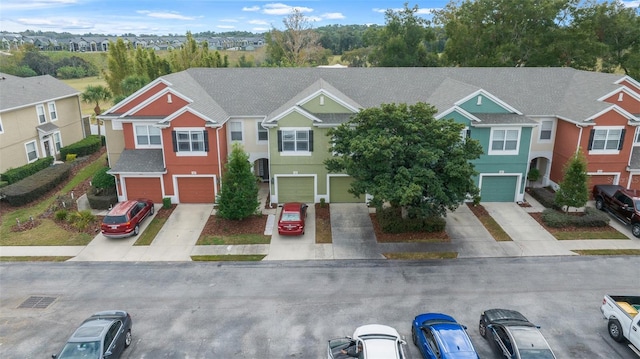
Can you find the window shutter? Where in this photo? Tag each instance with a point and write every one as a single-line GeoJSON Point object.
{"type": "Point", "coordinates": [206, 141]}
{"type": "Point", "coordinates": [621, 139]}
{"type": "Point", "coordinates": [279, 141]}
{"type": "Point", "coordinates": [175, 141]}
{"type": "Point", "coordinates": [593, 131]}
{"type": "Point", "coordinates": [310, 140]}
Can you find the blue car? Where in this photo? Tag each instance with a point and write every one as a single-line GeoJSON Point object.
{"type": "Point", "coordinates": [439, 336]}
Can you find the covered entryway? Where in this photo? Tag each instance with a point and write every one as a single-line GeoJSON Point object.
{"type": "Point", "coordinates": [261, 169]}
{"type": "Point", "coordinates": [196, 189]}
{"type": "Point", "coordinates": [295, 189]}
{"type": "Point", "coordinates": [144, 187]}
{"type": "Point", "coordinates": [339, 191]}
{"type": "Point", "coordinates": [498, 188]}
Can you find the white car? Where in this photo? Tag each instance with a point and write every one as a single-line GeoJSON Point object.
{"type": "Point", "coordinates": [372, 341]}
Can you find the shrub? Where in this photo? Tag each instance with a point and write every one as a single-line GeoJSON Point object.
{"type": "Point", "coordinates": [82, 219]}
{"type": "Point", "coordinates": [70, 157]}
{"type": "Point", "coordinates": [61, 215]}
{"type": "Point", "coordinates": [102, 180]}
{"type": "Point", "coordinates": [391, 221]}
{"type": "Point", "coordinates": [166, 203]}
{"type": "Point", "coordinates": [323, 203]}
{"type": "Point", "coordinates": [70, 72]}
{"type": "Point", "coordinates": [33, 187]}
{"type": "Point", "coordinates": [16, 174]}
{"type": "Point", "coordinates": [545, 196]}
{"type": "Point", "coordinates": [104, 200]}
{"type": "Point", "coordinates": [590, 218]}
{"type": "Point", "coordinates": [84, 147]}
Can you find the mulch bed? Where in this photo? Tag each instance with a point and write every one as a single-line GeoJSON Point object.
{"type": "Point", "coordinates": [478, 210]}
{"type": "Point", "coordinates": [538, 217]}
{"type": "Point", "coordinates": [217, 226]}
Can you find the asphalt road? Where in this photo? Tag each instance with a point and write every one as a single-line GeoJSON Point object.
{"type": "Point", "coordinates": [290, 309]}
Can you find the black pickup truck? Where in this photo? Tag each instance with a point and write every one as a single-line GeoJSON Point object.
{"type": "Point", "coordinates": [621, 202]}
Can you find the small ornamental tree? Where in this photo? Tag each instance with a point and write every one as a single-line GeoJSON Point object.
{"type": "Point", "coordinates": [239, 193]}
{"type": "Point", "coordinates": [573, 191]}
{"type": "Point", "coordinates": [103, 182]}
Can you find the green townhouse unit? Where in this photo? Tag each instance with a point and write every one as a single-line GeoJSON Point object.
{"type": "Point", "coordinates": [281, 116]}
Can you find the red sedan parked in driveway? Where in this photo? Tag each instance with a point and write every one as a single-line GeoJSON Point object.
{"type": "Point", "coordinates": [292, 218]}
{"type": "Point", "coordinates": [125, 218]}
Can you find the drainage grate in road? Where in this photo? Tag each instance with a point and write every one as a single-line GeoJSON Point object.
{"type": "Point", "coordinates": [36, 302]}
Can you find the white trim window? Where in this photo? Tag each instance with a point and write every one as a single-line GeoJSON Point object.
{"type": "Point", "coordinates": [465, 133]}
{"type": "Point", "coordinates": [53, 113]}
{"type": "Point", "coordinates": [190, 141]}
{"type": "Point", "coordinates": [42, 118]}
{"type": "Point", "coordinates": [295, 141]}
{"type": "Point", "coordinates": [504, 141]}
{"type": "Point", "coordinates": [606, 139]}
{"type": "Point", "coordinates": [1, 127]}
{"type": "Point", "coordinates": [147, 136]}
{"type": "Point", "coordinates": [57, 141]}
{"type": "Point", "coordinates": [636, 137]}
{"type": "Point", "coordinates": [32, 151]}
{"type": "Point", "coordinates": [235, 130]}
{"type": "Point", "coordinates": [546, 128]}
{"type": "Point", "coordinates": [263, 133]}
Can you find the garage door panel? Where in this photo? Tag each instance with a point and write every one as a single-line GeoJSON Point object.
{"type": "Point", "coordinates": [144, 188]}
{"type": "Point", "coordinates": [196, 189]}
{"type": "Point", "coordinates": [498, 188]}
{"type": "Point", "coordinates": [295, 189]}
{"type": "Point", "coordinates": [339, 191]}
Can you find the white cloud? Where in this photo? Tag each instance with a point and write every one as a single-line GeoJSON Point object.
{"type": "Point", "coordinates": [282, 9]}
{"type": "Point", "coordinates": [55, 23]}
{"type": "Point", "coordinates": [333, 16]}
{"type": "Point", "coordinates": [252, 8]}
{"type": "Point", "coordinates": [165, 15]}
{"type": "Point", "coordinates": [632, 4]}
{"type": "Point", "coordinates": [226, 27]}
{"type": "Point", "coordinates": [313, 18]}
{"type": "Point", "coordinates": [228, 20]}
{"type": "Point", "coordinates": [258, 22]}
{"type": "Point", "coordinates": [39, 4]}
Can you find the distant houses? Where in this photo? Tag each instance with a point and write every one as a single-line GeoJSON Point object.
{"type": "Point", "coordinates": [12, 41]}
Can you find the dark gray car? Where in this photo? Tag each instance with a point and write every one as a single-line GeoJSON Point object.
{"type": "Point", "coordinates": [103, 335]}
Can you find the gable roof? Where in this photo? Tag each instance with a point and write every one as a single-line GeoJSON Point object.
{"type": "Point", "coordinates": [220, 93]}
{"type": "Point", "coordinates": [17, 92]}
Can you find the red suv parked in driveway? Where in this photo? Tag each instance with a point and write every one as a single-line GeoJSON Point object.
{"type": "Point", "coordinates": [124, 219]}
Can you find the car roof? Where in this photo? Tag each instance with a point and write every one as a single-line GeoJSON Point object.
{"type": "Point", "coordinates": [453, 337]}
{"type": "Point", "coordinates": [375, 329]}
{"type": "Point", "coordinates": [122, 208]}
{"type": "Point", "coordinates": [91, 330]}
{"type": "Point", "coordinates": [528, 337]}
{"type": "Point", "coordinates": [506, 317]}
{"type": "Point", "coordinates": [383, 347]}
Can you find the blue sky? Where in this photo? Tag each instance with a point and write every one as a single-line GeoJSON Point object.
{"type": "Point", "coordinates": [162, 17]}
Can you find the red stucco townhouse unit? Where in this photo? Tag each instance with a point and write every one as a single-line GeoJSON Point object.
{"type": "Point", "coordinates": [162, 143]}
{"type": "Point", "coordinates": [608, 133]}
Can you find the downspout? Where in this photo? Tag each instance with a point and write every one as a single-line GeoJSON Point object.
{"type": "Point", "coordinates": [579, 137]}
{"type": "Point", "coordinates": [219, 162]}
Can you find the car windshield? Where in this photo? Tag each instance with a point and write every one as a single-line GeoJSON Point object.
{"type": "Point", "coordinates": [455, 341]}
{"type": "Point", "coordinates": [80, 350]}
{"type": "Point", "coordinates": [114, 219]}
{"type": "Point", "coordinates": [637, 204]}
{"type": "Point", "coordinates": [290, 216]}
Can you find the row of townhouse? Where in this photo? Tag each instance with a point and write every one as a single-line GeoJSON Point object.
{"type": "Point", "coordinates": [101, 43]}
{"type": "Point", "coordinates": [172, 137]}
{"type": "Point", "coordinates": [38, 116]}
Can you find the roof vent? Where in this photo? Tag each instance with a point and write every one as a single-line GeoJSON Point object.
{"type": "Point", "coordinates": [169, 100]}
{"type": "Point", "coordinates": [321, 100]}
{"type": "Point", "coordinates": [479, 101]}
{"type": "Point", "coordinates": [620, 96]}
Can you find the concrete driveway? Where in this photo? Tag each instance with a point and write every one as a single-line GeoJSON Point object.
{"type": "Point", "coordinates": [352, 232]}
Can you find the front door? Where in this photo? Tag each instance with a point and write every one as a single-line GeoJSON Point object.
{"type": "Point", "coordinates": [47, 147]}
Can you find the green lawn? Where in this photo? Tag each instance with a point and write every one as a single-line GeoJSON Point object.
{"type": "Point", "coordinates": [146, 237]}
{"type": "Point", "coordinates": [421, 255]}
{"type": "Point", "coordinates": [228, 257]}
{"type": "Point", "coordinates": [234, 239]}
{"type": "Point", "coordinates": [608, 252]}
{"type": "Point", "coordinates": [34, 259]}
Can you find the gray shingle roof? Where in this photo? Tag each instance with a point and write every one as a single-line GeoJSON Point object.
{"type": "Point", "coordinates": [17, 92]}
{"type": "Point", "coordinates": [220, 93]}
{"type": "Point", "coordinates": [503, 119]}
{"type": "Point", "coordinates": [139, 161]}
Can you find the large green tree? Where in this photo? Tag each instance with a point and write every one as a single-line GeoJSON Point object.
{"type": "Point", "coordinates": [402, 42]}
{"type": "Point", "coordinates": [513, 33]}
{"type": "Point", "coordinates": [119, 66]}
{"type": "Point", "coordinates": [297, 45]}
{"type": "Point", "coordinates": [402, 155]}
{"type": "Point", "coordinates": [192, 54]}
{"type": "Point", "coordinates": [573, 191]}
{"type": "Point", "coordinates": [239, 192]}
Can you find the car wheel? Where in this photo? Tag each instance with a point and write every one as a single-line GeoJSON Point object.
{"type": "Point", "coordinates": [152, 210]}
{"type": "Point", "coordinates": [414, 337]}
{"type": "Point", "coordinates": [136, 230]}
{"type": "Point", "coordinates": [635, 229]}
{"type": "Point", "coordinates": [615, 330]}
{"type": "Point", "coordinates": [482, 328]}
{"type": "Point", "coordinates": [599, 204]}
{"type": "Point", "coordinates": [127, 339]}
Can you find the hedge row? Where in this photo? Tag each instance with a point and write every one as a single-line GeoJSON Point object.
{"type": "Point", "coordinates": [16, 174]}
{"type": "Point", "coordinates": [391, 221]}
{"type": "Point", "coordinates": [545, 196]}
{"type": "Point", "coordinates": [591, 218]}
{"type": "Point", "coordinates": [84, 147]}
{"type": "Point", "coordinates": [34, 187]}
